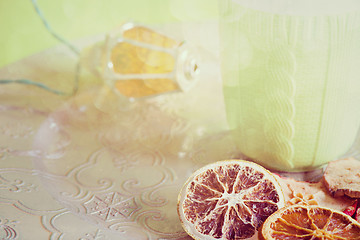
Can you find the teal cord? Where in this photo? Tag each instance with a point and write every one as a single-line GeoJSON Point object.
{"type": "Point", "coordinates": [29, 82]}
{"type": "Point", "coordinates": [47, 26]}
{"type": "Point", "coordinates": [62, 40]}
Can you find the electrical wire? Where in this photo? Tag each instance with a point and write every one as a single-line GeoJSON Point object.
{"type": "Point", "coordinates": [60, 39]}
{"type": "Point", "coordinates": [49, 29]}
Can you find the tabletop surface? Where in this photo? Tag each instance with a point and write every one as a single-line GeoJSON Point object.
{"type": "Point", "coordinates": [96, 166]}
{"type": "Point", "coordinates": [73, 169]}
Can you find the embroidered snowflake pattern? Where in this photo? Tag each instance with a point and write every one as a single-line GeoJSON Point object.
{"type": "Point", "coordinates": [111, 206]}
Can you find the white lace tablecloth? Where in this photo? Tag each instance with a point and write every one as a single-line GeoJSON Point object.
{"type": "Point", "coordinates": [71, 170]}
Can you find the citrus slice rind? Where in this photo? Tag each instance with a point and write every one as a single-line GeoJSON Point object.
{"type": "Point", "coordinates": [229, 199]}
{"type": "Point", "coordinates": [310, 222]}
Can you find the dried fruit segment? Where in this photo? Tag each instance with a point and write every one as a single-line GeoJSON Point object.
{"type": "Point", "coordinates": [310, 222]}
{"type": "Point", "coordinates": [228, 200]}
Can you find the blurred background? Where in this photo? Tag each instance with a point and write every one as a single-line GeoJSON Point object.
{"type": "Point", "coordinates": [23, 33]}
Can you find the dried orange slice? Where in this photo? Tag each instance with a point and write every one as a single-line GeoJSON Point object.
{"type": "Point", "coordinates": [228, 200]}
{"type": "Point", "coordinates": [310, 222]}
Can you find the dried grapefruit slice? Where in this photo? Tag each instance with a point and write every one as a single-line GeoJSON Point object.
{"type": "Point", "coordinates": [229, 199]}
{"type": "Point", "coordinates": [310, 223]}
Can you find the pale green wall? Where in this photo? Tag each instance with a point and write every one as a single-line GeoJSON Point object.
{"type": "Point", "coordinates": [22, 32]}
